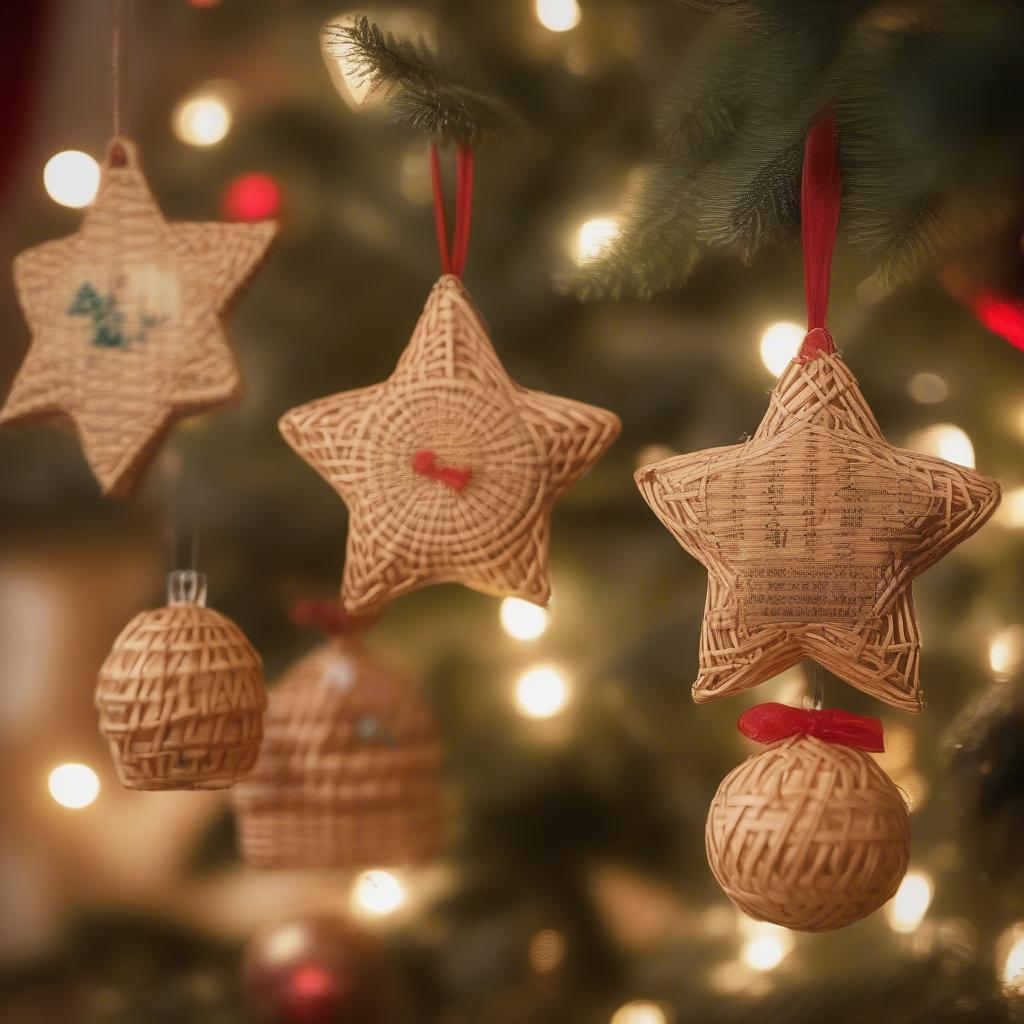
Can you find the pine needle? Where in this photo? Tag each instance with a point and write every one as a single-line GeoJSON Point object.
{"type": "Point", "coordinates": [427, 93]}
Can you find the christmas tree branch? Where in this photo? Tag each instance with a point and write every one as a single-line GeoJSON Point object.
{"type": "Point", "coordinates": [427, 93]}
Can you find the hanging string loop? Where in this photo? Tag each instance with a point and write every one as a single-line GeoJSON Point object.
{"type": "Point", "coordinates": [453, 258]}
{"type": "Point", "coordinates": [820, 195]}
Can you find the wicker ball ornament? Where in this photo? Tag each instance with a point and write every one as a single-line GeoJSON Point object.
{"type": "Point", "coordinates": [809, 835]}
{"type": "Point", "coordinates": [349, 771]}
{"type": "Point", "coordinates": [181, 695]}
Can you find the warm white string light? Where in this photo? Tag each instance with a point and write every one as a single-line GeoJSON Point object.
{"type": "Point", "coordinates": [202, 118]}
{"type": "Point", "coordinates": [907, 908]}
{"type": "Point", "coordinates": [522, 620]}
{"type": "Point", "coordinates": [377, 893]}
{"type": "Point", "coordinates": [71, 178]}
{"type": "Point", "coordinates": [541, 692]}
{"type": "Point", "coordinates": [593, 236]}
{"type": "Point", "coordinates": [558, 15]}
{"type": "Point", "coordinates": [74, 785]}
{"type": "Point", "coordinates": [780, 343]}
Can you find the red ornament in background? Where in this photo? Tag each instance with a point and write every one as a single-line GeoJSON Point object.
{"type": "Point", "coordinates": [316, 969]}
{"type": "Point", "coordinates": [254, 196]}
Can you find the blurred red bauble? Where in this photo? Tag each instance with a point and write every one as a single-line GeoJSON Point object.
{"type": "Point", "coordinates": [316, 969]}
{"type": "Point", "coordinates": [254, 196]}
{"type": "Point", "coordinates": [202, 3]}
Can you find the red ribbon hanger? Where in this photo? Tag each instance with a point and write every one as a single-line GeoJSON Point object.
{"type": "Point", "coordinates": [820, 195]}
{"type": "Point", "coordinates": [768, 723]}
{"type": "Point", "coordinates": [453, 261]}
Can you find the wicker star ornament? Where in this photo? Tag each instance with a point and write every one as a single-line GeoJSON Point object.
{"type": "Point", "coordinates": [812, 531]}
{"type": "Point", "coordinates": [125, 316]}
{"type": "Point", "coordinates": [449, 468]}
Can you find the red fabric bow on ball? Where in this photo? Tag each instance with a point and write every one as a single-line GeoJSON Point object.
{"type": "Point", "coordinates": [767, 723]}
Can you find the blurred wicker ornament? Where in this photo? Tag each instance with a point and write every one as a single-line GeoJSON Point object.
{"type": "Point", "coordinates": [349, 771]}
{"type": "Point", "coordinates": [810, 833]}
{"type": "Point", "coordinates": [125, 314]}
{"type": "Point", "coordinates": [316, 969]}
{"type": "Point", "coordinates": [181, 695]}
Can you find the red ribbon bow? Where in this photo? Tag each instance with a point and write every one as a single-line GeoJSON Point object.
{"type": "Point", "coordinates": [767, 723]}
{"type": "Point", "coordinates": [424, 462]}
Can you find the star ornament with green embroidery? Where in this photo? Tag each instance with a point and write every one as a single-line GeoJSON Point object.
{"type": "Point", "coordinates": [449, 468]}
{"type": "Point", "coordinates": [812, 531]}
{"type": "Point", "coordinates": [126, 321]}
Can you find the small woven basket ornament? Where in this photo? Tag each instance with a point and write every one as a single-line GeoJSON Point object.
{"type": "Point", "coordinates": [813, 529]}
{"type": "Point", "coordinates": [349, 772]}
{"type": "Point", "coordinates": [810, 833]}
{"type": "Point", "coordinates": [127, 326]}
{"type": "Point", "coordinates": [181, 695]}
{"type": "Point", "coordinates": [449, 468]}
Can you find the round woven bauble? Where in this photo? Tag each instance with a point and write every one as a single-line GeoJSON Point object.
{"type": "Point", "coordinates": [350, 769]}
{"type": "Point", "coordinates": [808, 835]}
{"type": "Point", "coordinates": [181, 699]}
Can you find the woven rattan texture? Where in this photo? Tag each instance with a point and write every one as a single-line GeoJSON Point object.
{"type": "Point", "coordinates": [181, 700]}
{"type": "Point", "coordinates": [811, 532]}
{"type": "Point", "coordinates": [125, 321]}
{"type": "Point", "coordinates": [450, 402]}
{"type": "Point", "coordinates": [349, 771]}
{"type": "Point", "coordinates": [808, 835]}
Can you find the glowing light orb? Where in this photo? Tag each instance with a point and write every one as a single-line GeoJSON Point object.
{"type": "Point", "coordinates": [523, 620]}
{"type": "Point", "coordinates": [202, 119]}
{"type": "Point", "coordinates": [946, 441]}
{"type": "Point", "coordinates": [593, 237]}
{"type": "Point", "coordinates": [927, 388]}
{"type": "Point", "coordinates": [639, 1012]}
{"type": "Point", "coordinates": [779, 345]}
{"type": "Point", "coordinates": [377, 893]}
{"type": "Point", "coordinates": [907, 908]}
{"type": "Point", "coordinates": [1013, 968]}
{"type": "Point", "coordinates": [1006, 651]}
{"type": "Point", "coordinates": [763, 952]}
{"type": "Point", "coordinates": [558, 15]}
{"type": "Point", "coordinates": [251, 197]}
{"type": "Point", "coordinates": [74, 785]}
{"type": "Point", "coordinates": [1011, 510]}
{"type": "Point", "coordinates": [541, 693]}
{"type": "Point", "coordinates": [71, 178]}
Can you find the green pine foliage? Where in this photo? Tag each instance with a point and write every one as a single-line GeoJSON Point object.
{"type": "Point", "coordinates": [427, 92]}
{"type": "Point", "coordinates": [734, 116]}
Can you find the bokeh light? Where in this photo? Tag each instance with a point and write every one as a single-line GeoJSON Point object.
{"type": "Point", "coordinates": [523, 620]}
{"type": "Point", "coordinates": [377, 893]}
{"type": "Point", "coordinates": [74, 785]}
{"type": "Point", "coordinates": [945, 440]}
{"type": "Point", "coordinates": [639, 1012]}
{"type": "Point", "coordinates": [763, 952]}
{"type": "Point", "coordinates": [253, 196]}
{"type": "Point", "coordinates": [71, 178]}
{"type": "Point", "coordinates": [779, 345]}
{"type": "Point", "coordinates": [927, 388]}
{"type": "Point", "coordinates": [593, 237]}
{"type": "Point", "coordinates": [547, 950]}
{"type": "Point", "coordinates": [541, 693]}
{"type": "Point", "coordinates": [907, 908]}
{"type": "Point", "coordinates": [558, 15]}
{"type": "Point", "coordinates": [202, 118]}
{"type": "Point", "coordinates": [1011, 509]}
{"type": "Point", "coordinates": [1006, 651]}
{"type": "Point", "coordinates": [1012, 973]}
